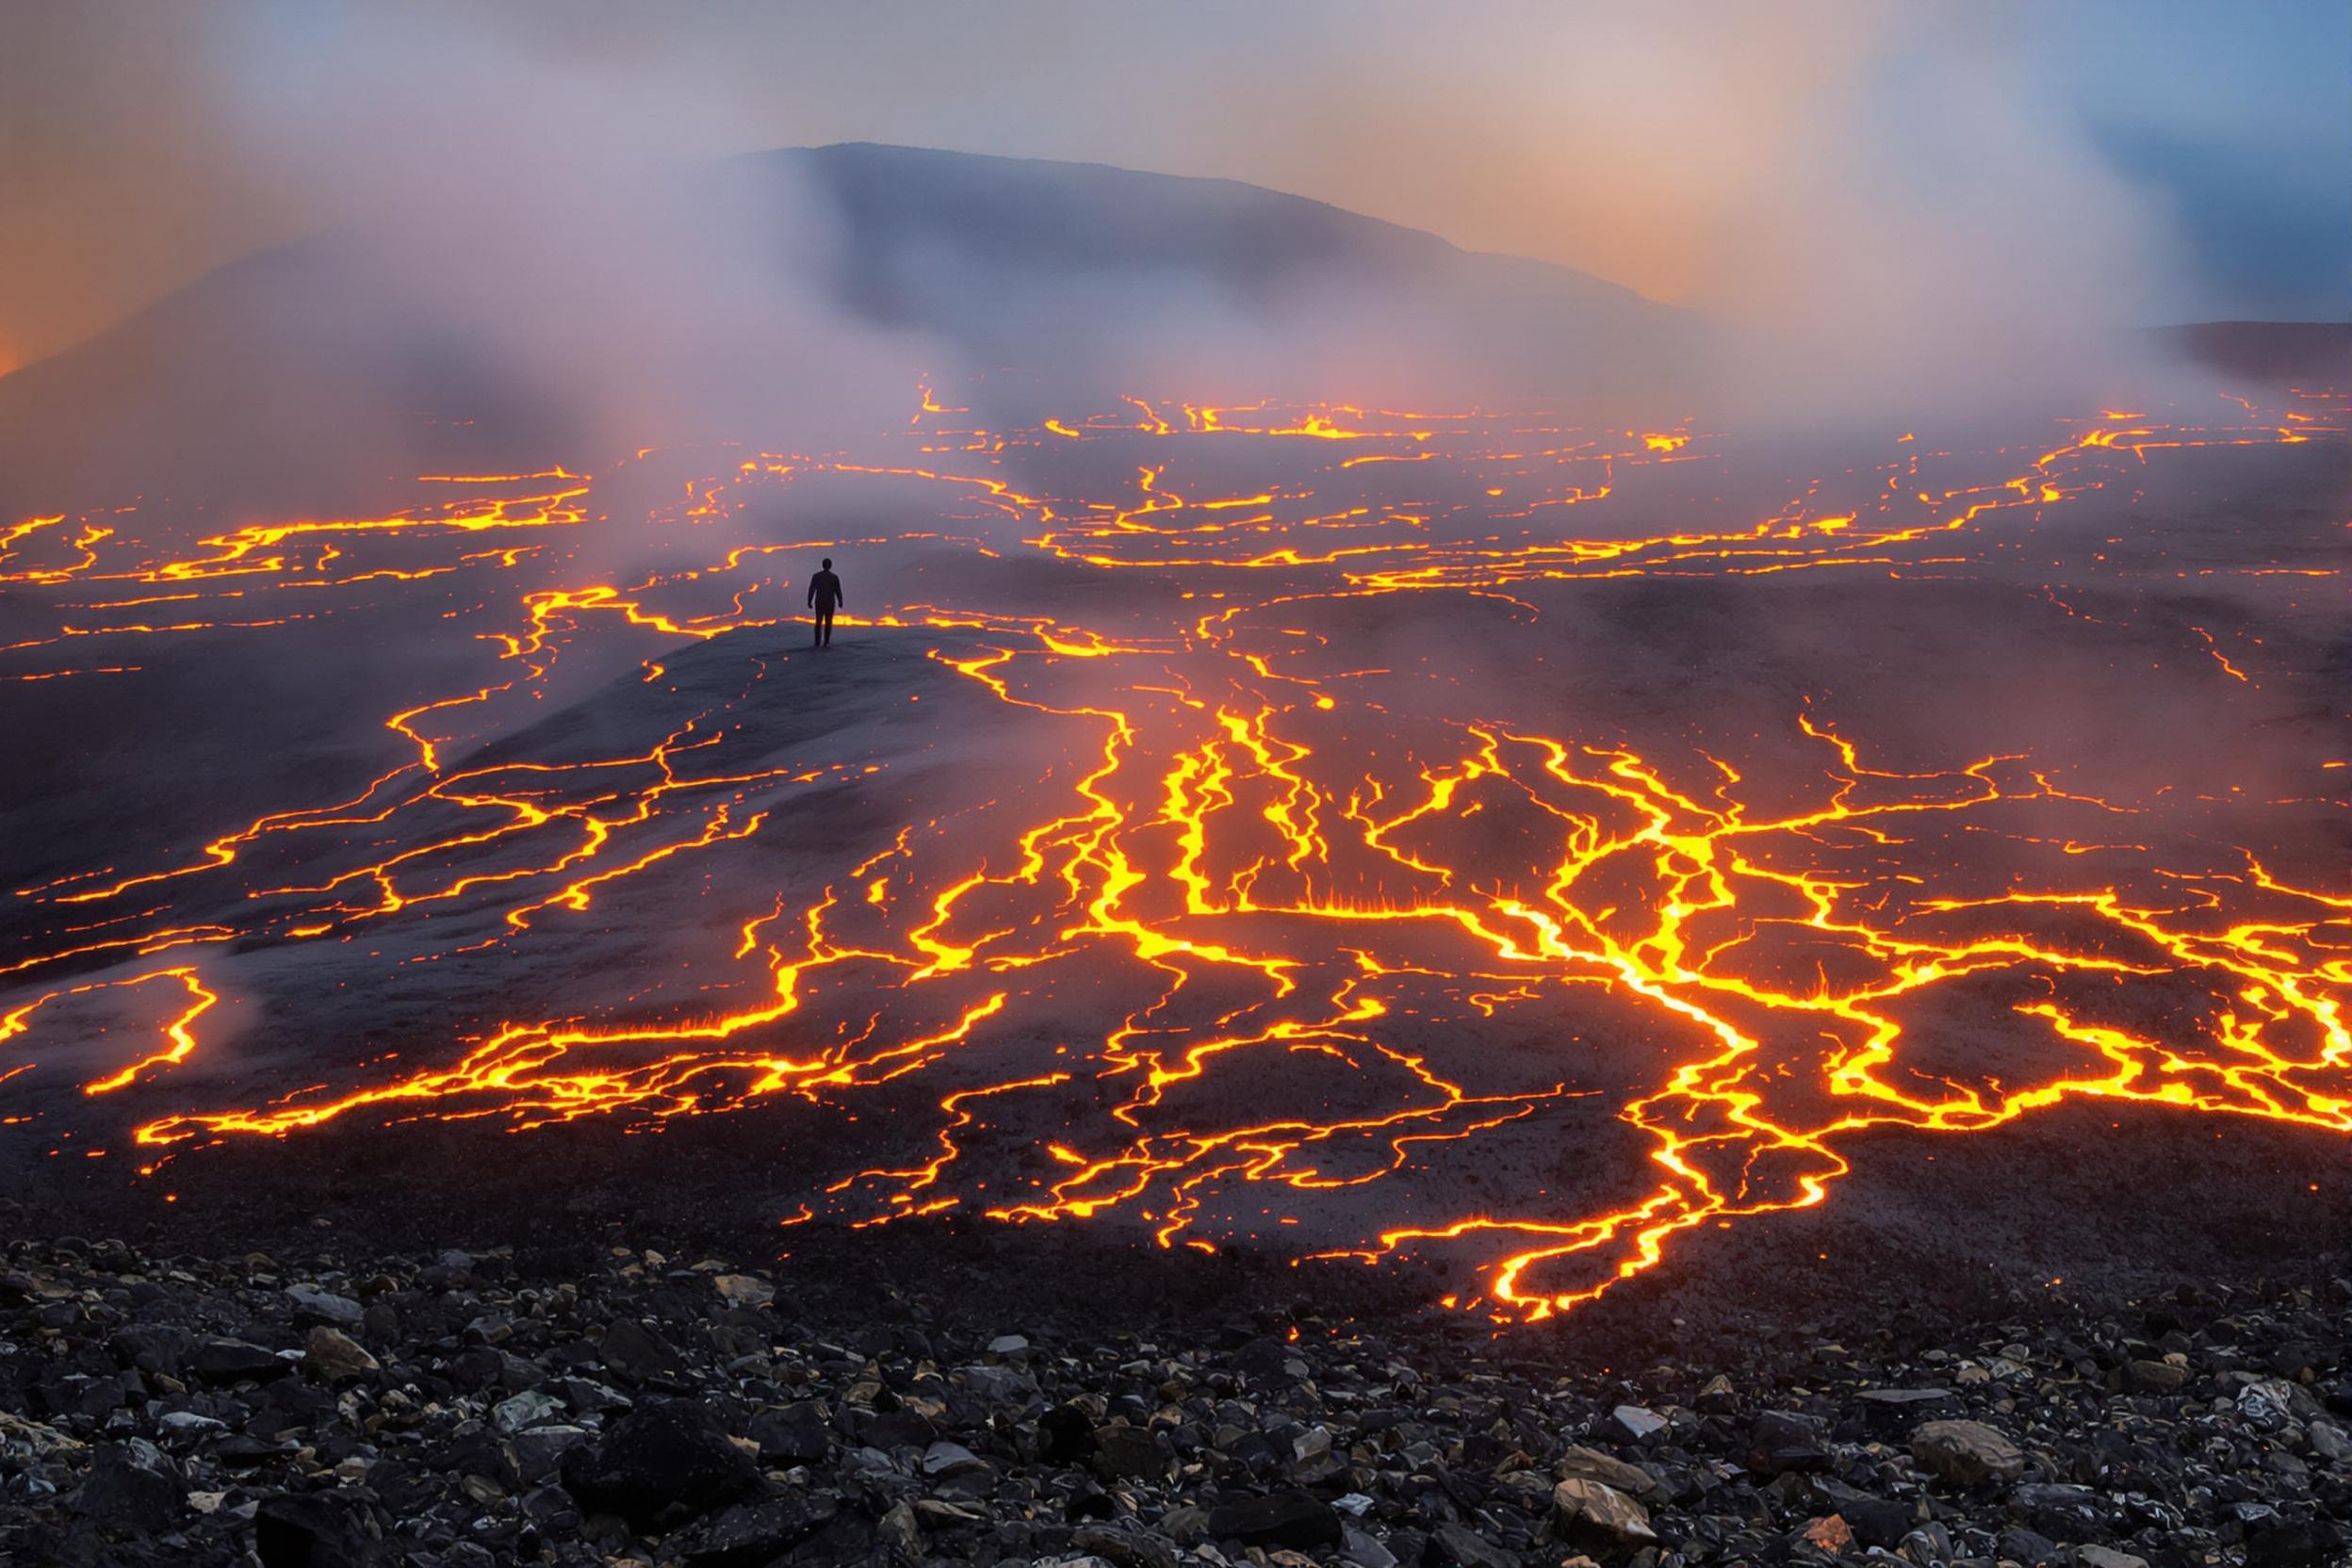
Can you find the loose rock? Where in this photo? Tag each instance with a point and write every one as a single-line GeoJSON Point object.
{"type": "Point", "coordinates": [1966, 1453]}
{"type": "Point", "coordinates": [671, 1458]}
{"type": "Point", "coordinates": [1291, 1518]}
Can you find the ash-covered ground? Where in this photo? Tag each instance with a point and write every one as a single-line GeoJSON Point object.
{"type": "Point", "coordinates": [1469, 844]}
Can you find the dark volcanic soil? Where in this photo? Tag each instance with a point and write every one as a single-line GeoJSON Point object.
{"type": "Point", "coordinates": [608, 1389]}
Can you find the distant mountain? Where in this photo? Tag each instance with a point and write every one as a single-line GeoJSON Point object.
{"type": "Point", "coordinates": [2314, 354]}
{"type": "Point", "coordinates": [989, 252]}
{"type": "Point", "coordinates": [786, 295]}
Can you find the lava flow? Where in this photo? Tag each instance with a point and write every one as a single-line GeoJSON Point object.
{"type": "Point", "coordinates": [1389, 835]}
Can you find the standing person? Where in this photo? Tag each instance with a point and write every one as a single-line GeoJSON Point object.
{"type": "Point", "coordinates": [824, 592]}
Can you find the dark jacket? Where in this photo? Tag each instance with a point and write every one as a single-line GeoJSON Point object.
{"type": "Point", "coordinates": [825, 591]}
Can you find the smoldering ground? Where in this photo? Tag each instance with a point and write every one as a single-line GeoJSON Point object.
{"type": "Point", "coordinates": [1685, 666]}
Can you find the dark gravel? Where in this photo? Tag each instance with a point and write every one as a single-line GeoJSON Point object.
{"type": "Point", "coordinates": [334, 1401]}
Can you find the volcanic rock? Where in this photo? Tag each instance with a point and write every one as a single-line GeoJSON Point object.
{"type": "Point", "coordinates": [2305, 1544]}
{"type": "Point", "coordinates": [1595, 1514]}
{"type": "Point", "coordinates": [670, 1458]}
{"type": "Point", "coordinates": [749, 1534]}
{"type": "Point", "coordinates": [1065, 1436]}
{"type": "Point", "coordinates": [999, 1385]}
{"type": "Point", "coordinates": [951, 1458]}
{"type": "Point", "coordinates": [325, 1307]}
{"type": "Point", "coordinates": [1594, 1465]}
{"type": "Point", "coordinates": [132, 1488]}
{"type": "Point", "coordinates": [1966, 1453]}
{"type": "Point", "coordinates": [2158, 1376]}
{"type": "Point", "coordinates": [234, 1361]}
{"type": "Point", "coordinates": [792, 1435]}
{"type": "Point", "coordinates": [743, 1290]}
{"type": "Point", "coordinates": [1828, 1533]}
{"type": "Point", "coordinates": [316, 1530]}
{"type": "Point", "coordinates": [245, 1452]}
{"type": "Point", "coordinates": [2103, 1557]}
{"type": "Point", "coordinates": [1122, 1548]}
{"type": "Point", "coordinates": [899, 1530]}
{"type": "Point", "coordinates": [2066, 1513]}
{"type": "Point", "coordinates": [1128, 1453]}
{"type": "Point", "coordinates": [1876, 1521]}
{"type": "Point", "coordinates": [2028, 1548]}
{"type": "Point", "coordinates": [21, 1440]}
{"type": "Point", "coordinates": [1314, 1460]}
{"type": "Point", "coordinates": [2271, 1403]}
{"type": "Point", "coordinates": [152, 1347]}
{"type": "Point", "coordinates": [1187, 1524]}
{"type": "Point", "coordinates": [1288, 1518]}
{"type": "Point", "coordinates": [524, 1411]}
{"type": "Point", "coordinates": [1635, 1423]}
{"type": "Point", "coordinates": [634, 1351]}
{"type": "Point", "coordinates": [331, 1356]}
{"type": "Point", "coordinates": [1361, 1550]}
{"type": "Point", "coordinates": [185, 1423]}
{"type": "Point", "coordinates": [1465, 1548]}
{"type": "Point", "coordinates": [897, 1429]}
{"type": "Point", "coordinates": [1781, 1441]}
{"type": "Point", "coordinates": [539, 1452]}
{"type": "Point", "coordinates": [1907, 1399]}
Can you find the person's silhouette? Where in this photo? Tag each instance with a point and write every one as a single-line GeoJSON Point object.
{"type": "Point", "coordinates": [824, 592]}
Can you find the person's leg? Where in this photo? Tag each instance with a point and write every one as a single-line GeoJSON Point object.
{"type": "Point", "coordinates": [816, 630]}
{"type": "Point", "coordinates": [828, 625]}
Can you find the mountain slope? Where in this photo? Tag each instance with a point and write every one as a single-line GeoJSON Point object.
{"type": "Point", "coordinates": [788, 296]}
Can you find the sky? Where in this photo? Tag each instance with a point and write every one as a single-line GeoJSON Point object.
{"type": "Point", "coordinates": [2154, 160]}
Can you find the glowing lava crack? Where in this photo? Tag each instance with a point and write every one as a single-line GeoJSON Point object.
{"type": "Point", "coordinates": [1261, 893]}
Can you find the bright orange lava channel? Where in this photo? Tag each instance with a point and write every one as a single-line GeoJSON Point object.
{"type": "Point", "coordinates": [1273, 935]}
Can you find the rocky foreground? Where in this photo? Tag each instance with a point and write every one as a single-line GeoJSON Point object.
{"type": "Point", "coordinates": [330, 1406]}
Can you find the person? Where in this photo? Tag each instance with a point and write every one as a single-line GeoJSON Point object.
{"type": "Point", "coordinates": [824, 592]}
